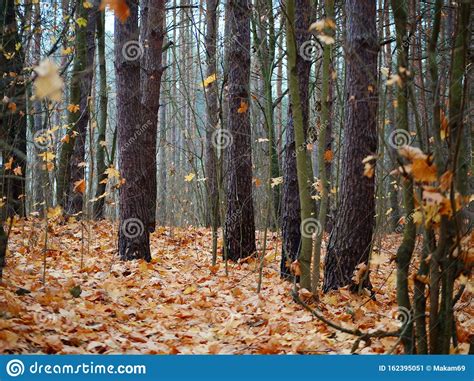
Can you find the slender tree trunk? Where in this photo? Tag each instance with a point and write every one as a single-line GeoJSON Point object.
{"type": "Point", "coordinates": [212, 118]}
{"type": "Point", "coordinates": [405, 251]}
{"type": "Point", "coordinates": [70, 166]}
{"type": "Point", "coordinates": [351, 237]}
{"type": "Point", "coordinates": [296, 12]}
{"type": "Point", "coordinates": [101, 149]}
{"type": "Point", "coordinates": [322, 149]}
{"type": "Point", "coordinates": [239, 227]}
{"type": "Point", "coordinates": [164, 165]}
{"type": "Point", "coordinates": [434, 264]}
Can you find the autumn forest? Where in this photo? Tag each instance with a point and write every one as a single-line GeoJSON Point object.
{"type": "Point", "coordinates": [236, 176]}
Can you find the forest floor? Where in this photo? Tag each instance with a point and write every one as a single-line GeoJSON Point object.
{"type": "Point", "coordinates": [178, 303]}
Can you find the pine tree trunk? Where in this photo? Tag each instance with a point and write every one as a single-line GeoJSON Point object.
{"type": "Point", "coordinates": [351, 237]}
{"type": "Point", "coordinates": [150, 102]}
{"type": "Point", "coordinates": [134, 238]}
{"type": "Point", "coordinates": [13, 121]}
{"type": "Point", "coordinates": [239, 227]}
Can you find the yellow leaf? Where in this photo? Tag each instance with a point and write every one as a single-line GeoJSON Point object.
{"type": "Point", "coordinates": [9, 56]}
{"type": "Point", "coordinates": [189, 177]}
{"type": "Point", "coordinates": [243, 107]}
{"type": "Point", "coordinates": [87, 5]}
{"type": "Point", "coordinates": [18, 46]}
{"type": "Point", "coordinates": [65, 139]}
{"type": "Point", "coordinates": [54, 212]}
{"type": "Point", "coordinates": [112, 172]}
{"type": "Point", "coordinates": [212, 78]}
{"type": "Point", "coordinates": [81, 21]}
{"type": "Point", "coordinates": [66, 51]}
{"type": "Point", "coordinates": [47, 156]}
{"type": "Point", "coordinates": [48, 83]}
{"type": "Point", "coordinates": [325, 39]}
{"type": "Point", "coordinates": [190, 289]}
{"type": "Point", "coordinates": [418, 217]}
{"type": "Point", "coordinates": [276, 181]}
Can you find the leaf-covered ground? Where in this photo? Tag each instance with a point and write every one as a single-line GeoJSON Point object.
{"type": "Point", "coordinates": [177, 303]}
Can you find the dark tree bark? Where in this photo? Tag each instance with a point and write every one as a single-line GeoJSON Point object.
{"type": "Point", "coordinates": [137, 141]}
{"type": "Point", "coordinates": [291, 218]}
{"type": "Point", "coordinates": [134, 239]}
{"type": "Point", "coordinates": [291, 212]}
{"type": "Point", "coordinates": [12, 112]}
{"type": "Point", "coordinates": [239, 227]}
{"type": "Point", "coordinates": [150, 99]}
{"type": "Point", "coordinates": [350, 239]}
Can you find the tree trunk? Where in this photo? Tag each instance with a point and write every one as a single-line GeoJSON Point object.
{"type": "Point", "coordinates": [13, 121]}
{"type": "Point", "coordinates": [322, 149]}
{"type": "Point", "coordinates": [133, 238]}
{"type": "Point", "coordinates": [150, 101]}
{"type": "Point", "coordinates": [405, 251]}
{"type": "Point", "coordinates": [350, 240]}
{"type": "Point", "coordinates": [212, 121]}
{"type": "Point", "coordinates": [239, 227]}
{"type": "Point", "coordinates": [103, 102]}
{"type": "Point", "coordinates": [137, 141]}
{"type": "Point", "coordinates": [291, 218]}
{"type": "Point", "coordinates": [70, 169]}
{"type": "Point", "coordinates": [297, 15]}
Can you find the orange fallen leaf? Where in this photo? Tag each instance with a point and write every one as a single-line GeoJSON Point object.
{"type": "Point", "coordinates": [243, 107]}
{"type": "Point", "coordinates": [80, 186]}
